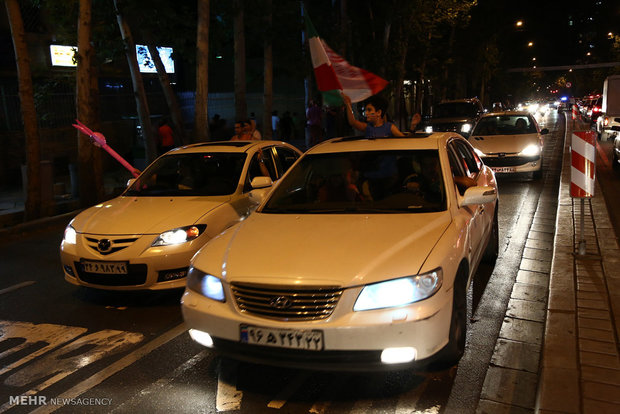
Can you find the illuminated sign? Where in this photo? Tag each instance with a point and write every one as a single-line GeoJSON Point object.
{"type": "Point", "coordinates": [145, 62]}
{"type": "Point", "coordinates": [63, 55]}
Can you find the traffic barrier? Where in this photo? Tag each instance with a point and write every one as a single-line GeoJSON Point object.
{"type": "Point", "coordinates": [575, 111]}
{"type": "Point", "coordinates": [583, 164]}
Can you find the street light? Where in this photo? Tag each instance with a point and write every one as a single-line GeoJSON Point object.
{"type": "Point", "coordinates": [519, 23]}
{"type": "Point", "coordinates": [530, 44]}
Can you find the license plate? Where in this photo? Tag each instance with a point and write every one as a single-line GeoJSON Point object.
{"type": "Point", "coordinates": [503, 169]}
{"type": "Point", "coordinates": [106, 268]}
{"type": "Point", "coordinates": [309, 340]}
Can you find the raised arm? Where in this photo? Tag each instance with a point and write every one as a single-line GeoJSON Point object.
{"type": "Point", "coordinates": [360, 126]}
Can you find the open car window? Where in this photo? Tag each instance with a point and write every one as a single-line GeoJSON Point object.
{"type": "Point", "coordinates": [190, 174]}
{"type": "Point", "coordinates": [365, 182]}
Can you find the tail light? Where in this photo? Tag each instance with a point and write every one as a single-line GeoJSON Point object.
{"type": "Point", "coordinates": [606, 121]}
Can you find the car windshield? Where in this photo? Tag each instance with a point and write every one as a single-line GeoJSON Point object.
{"type": "Point", "coordinates": [190, 174]}
{"type": "Point", "coordinates": [455, 109]}
{"type": "Point", "coordinates": [403, 181]}
{"type": "Point", "coordinates": [505, 125]}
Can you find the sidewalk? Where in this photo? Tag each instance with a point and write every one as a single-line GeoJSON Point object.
{"type": "Point", "coordinates": [558, 348]}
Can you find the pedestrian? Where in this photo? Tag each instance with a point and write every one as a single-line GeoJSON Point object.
{"type": "Point", "coordinates": [286, 126]}
{"type": "Point", "coordinates": [275, 125]}
{"type": "Point", "coordinates": [314, 122]}
{"type": "Point", "coordinates": [250, 130]}
{"type": "Point", "coordinates": [241, 132]}
{"type": "Point", "coordinates": [165, 135]}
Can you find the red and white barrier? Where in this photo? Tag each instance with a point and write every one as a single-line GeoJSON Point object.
{"type": "Point", "coordinates": [583, 164]}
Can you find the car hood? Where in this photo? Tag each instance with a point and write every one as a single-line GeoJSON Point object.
{"type": "Point", "coordinates": [492, 144]}
{"type": "Point", "coordinates": [144, 215]}
{"type": "Point", "coordinates": [321, 250]}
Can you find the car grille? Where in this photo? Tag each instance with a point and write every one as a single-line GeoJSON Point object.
{"type": "Point", "coordinates": [136, 276]}
{"type": "Point", "coordinates": [287, 304]}
{"type": "Point", "coordinates": [508, 161]}
{"type": "Point", "coordinates": [106, 246]}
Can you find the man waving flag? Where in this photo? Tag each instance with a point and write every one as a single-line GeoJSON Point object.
{"type": "Point", "coordinates": [335, 75]}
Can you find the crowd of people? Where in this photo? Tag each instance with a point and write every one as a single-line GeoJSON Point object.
{"type": "Point", "coordinates": [318, 124]}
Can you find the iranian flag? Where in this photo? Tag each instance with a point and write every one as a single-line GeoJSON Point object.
{"type": "Point", "coordinates": [335, 75]}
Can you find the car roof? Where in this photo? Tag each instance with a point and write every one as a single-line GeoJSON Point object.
{"type": "Point", "coordinates": [223, 146]}
{"type": "Point", "coordinates": [416, 141]}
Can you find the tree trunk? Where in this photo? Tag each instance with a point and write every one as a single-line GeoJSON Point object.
{"type": "Point", "coordinates": [138, 86]}
{"type": "Point", "coordinates": [171, 99]}
{"type": "Point", "coordinates": [89, 156]}
{"type": "Point", "coordinates": [29, 115]}
{"type": "Point", "coordinates": [201, 120]}
{"type": "Point", "coordinates": [241, 107]}
{"type": "Point", "coordinates": [268, 81]}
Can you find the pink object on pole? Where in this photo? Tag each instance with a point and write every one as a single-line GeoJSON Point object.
{"type": "Point", "coordinates": [100, 141]}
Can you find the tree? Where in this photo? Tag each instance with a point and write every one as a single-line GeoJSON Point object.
{"type": "Point", "coordinates": [29, 115]}
{"type": "Point", "coordinates": [89, 156]}
{"type": "Point", "coordinates": [171, 99]}
{"type": "Point", "coordinates": [138, 86]}
{"type": "Point", "coordinates": [201, 122]}
{"type": "Point", "coordinates": [268, 72]}
{"type": "Point", "coordinates": [241, 107]}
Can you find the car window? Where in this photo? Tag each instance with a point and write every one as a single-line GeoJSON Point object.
{"type": "Point", "coordinates": [265, 168]}
{"type": "Point", "coordinates": [286, 158]}
{"type": "Point", "coordinates": [468, 157]}
{"type": "Point", "coordinates": [190, 174]}
{"type": "Point", "coordinates": [505, 125]}
{"type": "Point", "coordinates": [366, 182]}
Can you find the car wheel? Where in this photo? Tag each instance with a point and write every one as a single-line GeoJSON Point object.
{"type": "Point", "coordinates": [492, 250]}
{"type": "Point", "coordinates": [458, 323]}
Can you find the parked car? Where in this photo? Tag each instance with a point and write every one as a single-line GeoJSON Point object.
{"type": "Point", "coordinates": [510, 142]}
{"type": "Point", "coordinates": [360, 258]}
{"type": "Point", "coordinates": [458, 115]}
{"type": "Point", "coordinates": [144, 238]}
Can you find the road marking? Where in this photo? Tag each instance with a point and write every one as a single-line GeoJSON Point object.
{"type": "Point", "coordinates": [228, 396]}
{"type": "Point", "coordinates": [17, 286]}
{"type": "Point", "coordinates": [115, 367]}
{"type": "Point", "coordinates": [281, 398]}
{"type": "Point", "coordinates": [162, 382]}
{"type": "Point", "coordinates": [53, 335]}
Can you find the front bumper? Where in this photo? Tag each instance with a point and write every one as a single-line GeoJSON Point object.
{"type": "Point", "coordinates": [352, 341]}
{"type": "Point", "coordinates": [148, 268]}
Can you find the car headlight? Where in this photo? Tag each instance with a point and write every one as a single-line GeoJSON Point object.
{"type": "Point", "coordinates": [530, 150]}
{"type": "Point", "coordinates": [466, 128]}
{"type": "Point", "coordinates": [205, 284]}
{"type": "Point", "coordinates": [180, 235]}
{"type": "Point", "coordinates": [70, 236]}
{"type": "Point", "coordinates": [428, 129]}
{"type": "Point", "coordinates": [398, 292]}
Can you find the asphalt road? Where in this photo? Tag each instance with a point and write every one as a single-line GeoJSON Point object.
{"type": "Point", "coordinates": [79, 350]}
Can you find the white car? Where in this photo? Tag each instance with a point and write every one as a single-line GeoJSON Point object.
{"type": "Point", "coordinates": [360, 258]}
{"type": "Point", "coordinates": [145, 238]}
{"type": "Point", "coordinates": [510, 142]}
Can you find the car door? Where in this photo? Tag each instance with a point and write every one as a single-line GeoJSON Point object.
{"type": "Point", "coordinates": [465, 164]}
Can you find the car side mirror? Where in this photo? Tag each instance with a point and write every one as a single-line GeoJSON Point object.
{"type": "Point", "coordinates": [544, 131]}
{"type": "Point", "coordinates": [130, 182]}
{"type": "Point", "coordinates": [478, 195]}
{"type": "Point", "coordinates": [261, 182]}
